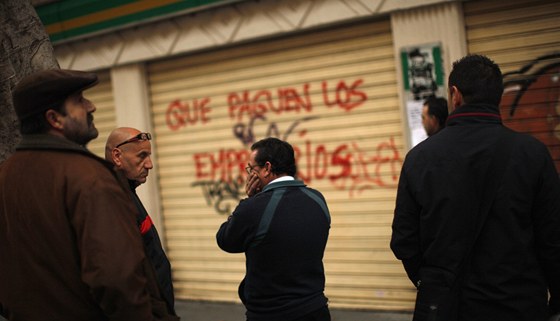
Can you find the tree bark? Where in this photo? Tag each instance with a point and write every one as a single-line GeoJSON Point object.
{"type": "Point", "coordinates": [24, 48]}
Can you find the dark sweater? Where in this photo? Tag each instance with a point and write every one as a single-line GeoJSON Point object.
{"type": "Point", "coordinates": [154, 251]}
{"type": "Point", "coordinates": [516, 257]}
{"type": "Point", "coordinates": [284, 277]}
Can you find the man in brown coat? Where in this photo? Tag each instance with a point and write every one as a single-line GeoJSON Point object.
{"type": "Point", "coordinates": [69, 245]}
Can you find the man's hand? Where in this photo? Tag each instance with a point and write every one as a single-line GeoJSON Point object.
{"type": "Point", "coordinates": [253, 185]}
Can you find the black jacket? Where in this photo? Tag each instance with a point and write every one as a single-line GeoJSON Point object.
{"type": "Point", "coordinates": [154, 251]}
{"type": "Point", "coordinates": [285, 278]}
{"type": "Point", "coordinates": [517, 255]}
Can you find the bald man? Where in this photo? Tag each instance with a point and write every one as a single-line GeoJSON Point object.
{"type": "Point", "coordinates": [130, 152]}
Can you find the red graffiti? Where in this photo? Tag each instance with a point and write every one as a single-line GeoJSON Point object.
{"type": "Point", "coordinates": [345, 97]}
{"type": "Point", "coordinates": [252, 104]}
{"type": "Point", "coordinates": [225, 165]}
{"type": "Point", "coordinates": [181, 114]}
{"type": "Point", "coordinates": [347, 166]}
{"type": "Point", "coordinates": [257, 103]}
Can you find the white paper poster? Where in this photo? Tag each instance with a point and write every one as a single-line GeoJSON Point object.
{"type": "Point", "coordinates": [414, 111]}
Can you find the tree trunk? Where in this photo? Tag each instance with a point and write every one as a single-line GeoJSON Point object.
{"type": "Point", "coordinates": [24, 48]}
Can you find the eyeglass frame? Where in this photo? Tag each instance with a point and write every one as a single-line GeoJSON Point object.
{"type": "Point", "coordinates": [139, 137]}
{"type": "Point", "coordinates": [250, 168]}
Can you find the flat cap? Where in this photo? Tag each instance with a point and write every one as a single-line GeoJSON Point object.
{"type": "Point", "coordinates": [46, 89]}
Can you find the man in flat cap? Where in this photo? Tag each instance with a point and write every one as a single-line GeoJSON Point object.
{"type": "Point", "coordinates": [69, 246]}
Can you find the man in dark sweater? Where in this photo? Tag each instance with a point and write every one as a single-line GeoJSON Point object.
{"type": "Point", "coordinates": [129, 150]}
{"type": "Point", "coordinates": [283, 229]}
{"type": "Point", "coordinates": [477, 234]}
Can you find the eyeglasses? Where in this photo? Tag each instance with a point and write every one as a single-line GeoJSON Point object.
{"type": "Point", "coordinates": [141, 136]}
{"type": "Point", "coordinates": [250, 168]}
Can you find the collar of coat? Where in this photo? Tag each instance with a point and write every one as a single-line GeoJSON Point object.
{"type": "Point", "coordinates": [283, 184]}
{"type": "Point", "coordinates": [51, 142]}
{"type": "Point", "coordinates": [475, 113]}
{"type": "Point", "coordinates": [46, 141]}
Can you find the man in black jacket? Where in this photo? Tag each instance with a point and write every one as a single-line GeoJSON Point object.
{"type": "Point", "coordinates": [283, 228]}
{"type": "Point", "coordinates": [129, 150]}
{"type": "Point", "coordinates": [501, 265]}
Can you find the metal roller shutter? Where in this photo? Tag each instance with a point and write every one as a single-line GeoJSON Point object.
{"type": "Point", "coordinates": [333, 95]}
{"type": "Point", "coordinates": [523, 37]}
{"type": "Point", "coordinates": [105, 118]}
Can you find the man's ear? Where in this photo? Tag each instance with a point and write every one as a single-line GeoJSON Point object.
{"type": "Point", "coordinates": [267, 167]}
{"type": "Point", "coordinates": [456, 97]}
{"type": "Point", "coordinates": [116, 156]}
{"type": "Point", "coordinates": [53, 118]}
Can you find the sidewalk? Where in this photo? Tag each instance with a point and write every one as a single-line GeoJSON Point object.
{"type": "Point", "coordinates": [214, 311]}
{"type": "Point", "coordinates": [217, 311]}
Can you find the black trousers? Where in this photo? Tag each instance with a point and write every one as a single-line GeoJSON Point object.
{"type": "Point", "coordinates": [322, 314]}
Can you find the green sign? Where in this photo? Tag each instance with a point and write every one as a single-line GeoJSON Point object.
{"type": "Point", "coordinates": [422, 71]}
{"type": "Point", "coordinates": [69, 19]}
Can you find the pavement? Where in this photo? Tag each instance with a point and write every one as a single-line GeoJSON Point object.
{"type": "Point", "coordinates": [219, 311]}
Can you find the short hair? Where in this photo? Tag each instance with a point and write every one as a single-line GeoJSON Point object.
{"type": "Point", "coordinates": [478, 78]}
{"type": "Point", "coordinates": [279, 153]}
{"type": "Point", "coordinates": [437, 107]}
{"type": "Point", "coordinates": [37, 123]}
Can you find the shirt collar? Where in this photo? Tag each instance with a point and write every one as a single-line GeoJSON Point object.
{"type": "Point", "coordinates": [282, 179]}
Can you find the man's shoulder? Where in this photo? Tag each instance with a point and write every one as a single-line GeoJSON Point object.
{"type": "Point", "coordinates": [529, 148]}
{"type": "Point", "coordinates": [261, 199]}
{"type": "Point", "coordinates": [61, 149]}
{"type": "Point", "coordinates": [526, 140]}
{"type": "Point", "coordinates": [256, 201]}
{"type": "Point", "coordinates": [76, 160]}
{"type": "Point", "coordinates": [314, 191]}
{"type": "Point", "coordinates": [416, 153]}
{"type": "Point", "coordinates": [81, 168]}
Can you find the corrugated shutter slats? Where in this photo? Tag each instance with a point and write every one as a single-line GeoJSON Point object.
{"type": "Point", "coordinates": [523, 37]}
{"type": "Point", "coordinates": [333, 95]}
{"type": "Point", "coordinates": [104, 116]}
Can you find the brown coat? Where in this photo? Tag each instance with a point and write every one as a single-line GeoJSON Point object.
{"type": "Point", "coordinates": [69, 245]}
